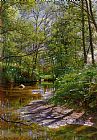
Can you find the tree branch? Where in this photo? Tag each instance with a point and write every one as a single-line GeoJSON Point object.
{"type": "Point", "coordinates": [9, 121]}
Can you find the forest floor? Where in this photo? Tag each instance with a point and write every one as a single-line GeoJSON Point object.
{"type": "Point", "coordinates": [42, 113]}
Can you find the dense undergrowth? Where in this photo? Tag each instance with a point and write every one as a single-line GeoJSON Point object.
{"type": "Point", "coordinates": [20, 74]}
{"type": "Point", "coordinates": [77, 89]}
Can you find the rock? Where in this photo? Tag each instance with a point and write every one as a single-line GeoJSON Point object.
{"type": "Point", "coordinates": [22, 86]}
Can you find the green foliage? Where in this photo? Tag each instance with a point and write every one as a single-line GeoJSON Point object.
{"type": "Point", "coordinates": [78, 88]}
{"type": "Point", "coordinates": [9, 73]}
{"type": "Point", "coordinates": [46, 77]}
{"type": "Point", "coordinates": [65, 43]}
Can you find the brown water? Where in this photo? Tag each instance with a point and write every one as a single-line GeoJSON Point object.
{"type": "Point", "coordinates": [12, 127]}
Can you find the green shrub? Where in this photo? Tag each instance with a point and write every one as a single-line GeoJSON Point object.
{"type": "Point", "coordinates": [77, 88]}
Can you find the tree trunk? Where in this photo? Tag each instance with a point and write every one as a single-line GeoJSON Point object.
{"type": "Point", "coordinates": [92, 16]}
{"type": "Point", "coordinates": [83, 34]}
{"type": "Point", "coordinates": [90, 33]}
{"type": "Point", "coordinates": [4, 37]}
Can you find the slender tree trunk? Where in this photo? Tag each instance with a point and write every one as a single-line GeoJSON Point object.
{"type": "Point", "coordinates": [4, 35]}
{"type": "Point", "coordinates": [83, 34]}
{"type": "Point", "coordinates": [90, 33]}
{"type": "Point", "coordinates": [92, 16]}
{"type": "Point", "coordinates": [36, 44]}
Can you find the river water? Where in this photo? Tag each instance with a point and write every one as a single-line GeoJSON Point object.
{"type": "Point", "coordinates": [12, 127]}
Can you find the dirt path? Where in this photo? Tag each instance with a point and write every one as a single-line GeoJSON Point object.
{"type": "Point", "coordinates": [51, 116]}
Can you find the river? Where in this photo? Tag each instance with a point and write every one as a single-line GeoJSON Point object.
{"type": "Point", "coordinates": [28, 117]}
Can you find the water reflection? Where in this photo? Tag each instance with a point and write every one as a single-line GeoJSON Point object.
{"type": "Point", "coordinates": [11, 126]}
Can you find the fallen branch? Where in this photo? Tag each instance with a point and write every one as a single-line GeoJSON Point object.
{"type": "Point", "coordinates": [10, 121]}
